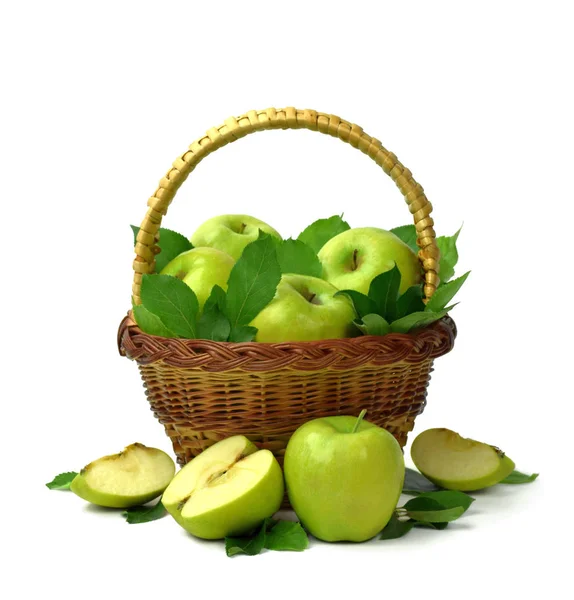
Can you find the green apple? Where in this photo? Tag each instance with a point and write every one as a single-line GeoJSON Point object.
{"type": "Point", "coordinates": [456, 463]}
{"type": "Point", "coordinates": [304, 308]}
{"type": "Point", "coordinates": [344, 477]}
{"type": "Point", "coordinates": [352, 259]}
{"type": "Point", "coordinates": [201, 269]}
{"type": "Point", "coordinates": [135, 476]}
{"type": "Point", "coordinates": [230, 233]}
{"type": "Point", "coordinates": [227, 490]}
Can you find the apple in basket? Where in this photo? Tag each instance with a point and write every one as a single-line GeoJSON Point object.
{"type": "Point", "coordinates": [227, 490]}
{"type": "Point", "coordinates": [134, 476]}
{"type": "Point", "coordinates": [201, 269]}
{"type": "Point", "coordinates": [344, 477]}
{"type": "Point", "coordinates": [304, 308]}
{"type": "Point", "coordinates": [456, 463]}
{"type": "Point", "coordinates": [352, 259]}
{"type": "Point", "coordinates": [230, 233]}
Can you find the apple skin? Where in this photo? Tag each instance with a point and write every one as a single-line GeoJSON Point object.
{"type": "Point", "coordinates": [304, 309]}
{"type": "Point", "coordinates": [501, 467]}
{"type": "Point", "coordinates": [81, 485]}
{"type": "Point", "coordinates": [231, 233]}
{"type": "Point", "coordinates": [352, 259]}
{"type": "Point", "coordinates": [201, 269]}
{"type": "Point", "coordinates": [343, 486]}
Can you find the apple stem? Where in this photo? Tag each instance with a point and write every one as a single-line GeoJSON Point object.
{"type": "Point", "coordinates": [359, 419]}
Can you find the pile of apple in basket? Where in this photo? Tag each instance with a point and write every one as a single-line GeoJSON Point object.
{"type": "Point", "coordinates": [237, 280]}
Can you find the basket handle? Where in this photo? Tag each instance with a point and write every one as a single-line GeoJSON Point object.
{"type": "Point", "coordinates": [289, 118]}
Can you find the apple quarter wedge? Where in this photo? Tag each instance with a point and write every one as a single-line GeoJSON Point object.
{"type": "Point", "coordinates": [134, 476]}
{"type": "Point", "coordinates": [229, 489]}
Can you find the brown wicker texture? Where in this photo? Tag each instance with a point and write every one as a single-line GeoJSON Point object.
{"type": "Point", "coordinates": [204, 391]}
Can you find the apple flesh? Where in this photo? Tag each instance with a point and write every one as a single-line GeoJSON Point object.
{"type": "Point", "coordinates": [201, 269]}
{"type": "Point", "coordinates": [304, 309]}
{"type": "Point", "coordinates": [231, 233]}
{"type": "Point", "coordinates": [456, 463]}
{"type": "Point", "coordinates": [352, 259]}
{"type": "Point", "coordinates": [229, 489]}
{"type": "Point", "coordinates": [135, 476]}
{"type": "Point", "coordinates": [344, 484]}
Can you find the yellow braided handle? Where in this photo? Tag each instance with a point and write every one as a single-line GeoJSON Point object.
{"type": "Point", "coordinates": [288, 118]}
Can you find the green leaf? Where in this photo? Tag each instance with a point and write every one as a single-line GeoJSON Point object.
{"type": "Point", "coordinates": [395, 528]}
{"type": "Point", "coordinates": [411, 301]}
{"type": "Point", "coordinates": [173, 302]}
{"type": "Point", "coordinates": [448, 256]}
{"type": "Point", "coordinates": [415, 483]}
{"type": "Point", "coordinates": [250, 545]}
{"type": "Point", "coordinates": [150, 323]}
{"type": "Point", "coordinates": [213, 324]}
{"type": "Point", "coordinates": [286, 535]}
{"type": "Point", "coordinates": [144, 514]}
{"type": "Point", "coordinates": [373, 324]}
{"type": "Point", "coordinates": [517, 477]}
{"type": "Point", "coordinates": [445, 293]}
{"type": "Point", "coordinates": [321, 231]}
{"type": "Point", "coordinates": [408, 234]}
{"type": "Point", "coordinates": [363, 304]}
{"type": "Point", "coordinates": [252, 282]}
{"type": "Point", "coordinates": [170, 243]}
{"type": "Point", "coordinates": [450, 498]}
{"type": "Point", "coordinates": [428, 510]}
{"type": "Point", "coordinates": [244, 333]}
{"type": "Point", "coordinates": [384, 291]}
{"type": "Point", "coordinates": [62, 481]}
{"type": "Point", "coordinates": [431, 525]}
{"type": "Point", "coordinates": [416, 320]}
{"type": "Point", "coordinates": [295, 256]}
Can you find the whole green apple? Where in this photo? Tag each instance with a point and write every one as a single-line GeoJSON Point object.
{"type": "Point", "coordinates": [344, 477]}
{"type": "Point", "coordinates": [352, 259]}
{"type": "Point", "coordinates": [227, 490]}
{"type": "Point", "coordinates": [201, 269]}
{"type": "Point", "coordinates": [304, 308]}
{"type": "Point", "coordinates": [230, 233]}
{"type": "Point", "coordinates": [456, 463]}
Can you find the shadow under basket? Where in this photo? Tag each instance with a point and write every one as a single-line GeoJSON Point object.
{"type": "Point", "coordinates": [204, 391]}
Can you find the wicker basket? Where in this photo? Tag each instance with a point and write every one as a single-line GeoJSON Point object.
{"type": "Point", "coordinates": [204, 391]}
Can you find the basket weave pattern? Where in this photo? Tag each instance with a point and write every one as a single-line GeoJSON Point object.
{"type": "Point", "coordinates": [203, 391]}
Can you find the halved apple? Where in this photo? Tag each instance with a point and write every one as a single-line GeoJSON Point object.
{"type": "Point", "coordinates": [456, 463]}
{"type": "Point", "coordinates": [134, 476]}
{"type": "Point", "coordinates": [227, 490]}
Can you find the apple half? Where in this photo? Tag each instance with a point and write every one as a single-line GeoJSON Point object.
{"type": "Point", "coordinates": [229, 489]}
{"type": "Point", "coordinates": [456, 463]}
{"type": "Point", "coordinates": [134, 476]}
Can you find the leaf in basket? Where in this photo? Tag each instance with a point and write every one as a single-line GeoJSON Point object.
{"type": "Point", "coordinates": [286, 535]}
{"type": "Point", "coordinates": [363, 304]}
{"type": "Point", "coordinates": [321, 231]}
{"type": "Point", "coordinates": [144, 514]}
{"type": "Point", "coordinates": [408, 234]}
{"type": "Point", "coordinates": [445, 293]}
{"type": "Point", "coordinates": [417, 319]}
{"type": "Point", "coordinates": [171, 244]}
{"type": "Point", "coordinates": [373, 324]}
{"type": "Point", "coordinates": [252, 282]}
{"type": "Point", "coordinates": [448, 256]}
{"type": "Point", "coordinates": [517, 477]}
{"type": "Point", "coordinates": [411, 301]}
{"type": "Point", "coordinates": [384, 291]}
{"type": "Point", "coordinates": [295, 256]}
{"type": "Point", "coordinates": [150, 323]}
{"type": "Point", "coordinates": [243, 333]}
{"type": "Point", "coordinates": [173, 302]}
{"type": "Point", "coordinates": [62, 481]}
{"type": "Point", "coordinates": [213, 324]}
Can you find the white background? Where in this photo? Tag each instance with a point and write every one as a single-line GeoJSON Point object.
{"type": "Point", "coordinates": [99, 97]}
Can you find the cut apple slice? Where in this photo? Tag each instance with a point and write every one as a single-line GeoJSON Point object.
{"type": "Point", "coordinates": [227, 490]}
{"type": "Point", "coordinates": [457, 463]}
{"type": "Point", "coordinates": [135, 476]}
